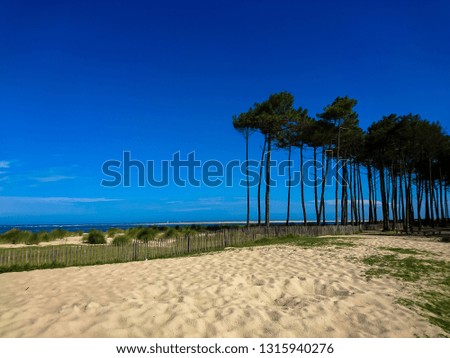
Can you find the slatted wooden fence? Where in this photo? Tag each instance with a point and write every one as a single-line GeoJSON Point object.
{"type": "Point", "coordinates": [78, 255]}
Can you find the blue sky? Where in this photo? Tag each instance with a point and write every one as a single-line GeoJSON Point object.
{"type": "Point", "coordinates": [81, 82]}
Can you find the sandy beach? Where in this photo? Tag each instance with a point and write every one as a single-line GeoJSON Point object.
{"type": "Point", "coordinates": [271, 291]}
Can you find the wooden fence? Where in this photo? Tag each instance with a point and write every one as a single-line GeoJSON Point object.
{"type": "Point", "coordinates": [78, 255]}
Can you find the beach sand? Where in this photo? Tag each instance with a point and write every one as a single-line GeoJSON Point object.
{"type": "Point", "coordinates": [272, 291]}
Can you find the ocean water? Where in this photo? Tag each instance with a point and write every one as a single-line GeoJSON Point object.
{"type": "Point", "coordinates": [104, 227]}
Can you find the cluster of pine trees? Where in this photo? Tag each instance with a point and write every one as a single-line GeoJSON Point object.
{"type": "Point", "coordinates": [404, 162]}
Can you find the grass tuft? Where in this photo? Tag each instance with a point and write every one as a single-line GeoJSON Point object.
{"type": "Point", "coordinates": [95, 237]}
{"type": "Point", "coordinates": [400, 250]}
{"type": "Point", "coordinates": [408, 268]}
{"type": "Point", "coordinates": [302, 241]}
{"type": "Point", "coordinates": [433, 304]}
{"type": "Point", "coordinates": [121, 240]}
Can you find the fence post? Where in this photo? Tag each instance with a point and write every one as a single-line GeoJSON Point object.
{"type": "Point", "coordinates": [188, 243]}
{"type": "Point", "coordinates": [135, 251]}
{"type": "Point", "coordinates": [53, 255]}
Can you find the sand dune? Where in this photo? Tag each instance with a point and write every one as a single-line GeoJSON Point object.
{"type": "Point", "coordinates": [70, 240]}
{"type": "Point", "coordinates": [275, 291]}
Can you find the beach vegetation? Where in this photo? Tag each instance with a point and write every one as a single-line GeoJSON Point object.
{"type": "Point", "coordinates": [171, 233]}
{"type": "Point", "coordinates": [433, 276]}
{"type": "Point", "coordinates": [95, 237]}
{"type": "Point", "coordinates": [17, 236]}
{"type": "Point", "coordinates": [147, 234]}
{"type": "Point", "coordinates": [302, 241]}
{"type": "Point", "coordinates": [113, 231]}
{"type": "Point", "coordinates": [132, 232]}
{"type": "Point", "coordinates": [121, 240]}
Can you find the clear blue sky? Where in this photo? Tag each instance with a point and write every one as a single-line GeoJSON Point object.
{"type": "Point", "coordinates": [82, 81]}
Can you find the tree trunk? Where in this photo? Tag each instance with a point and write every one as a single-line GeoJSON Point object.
{"type": "Point", "coordinates": [427, 203]}
{"type": "Point", "coordinates": [361, 196]}
{"type": "Point", "coordinates": [324, 181]}
{"type": "Point", "coordinates": [436, 203]}
{"type": "Point", "coordinates": [248, 183]}
{"type": "Point", "coordinates": [401, 216]}
{"type": "Point", "coordinates": [355, 195]}
{"type": "Point", "coordinates": [289, 186]}
{"type": "Point", "coordinates": [269, 148]}
{"type": "Point", "coordinates": [446, 203]}
{"type": "Point", "coordinates": [370, 184]}
{"type": "Point", "coordinates": [410, 206]}
{"type": "Point", "coordinates": [407, 212]}
{"type": "Point", "coordinates": [419, 194]}
{"type": "Point", "coordinates": [384, 201]}
{"type": "Point", "coordinates": [316, 203]}
{"type": "Point", "coordinates": [431, 195]}
{"type": "Point", "coordinates": [336, 210]}
{"type": "Point", "coordinates": [394, 199]}
{"type": "Point", "coordinates": [441, 195]}
{"type": "Point", "coordinates": [352, 212]}
{"type": "Point", "coordinates": [302, 185]}
{"type": "Point", "coordinates": [344, 200]}
{"type": "Point", "coordinates": [261, 165]}
{"type": "Point", "coordinates": [375, 213]}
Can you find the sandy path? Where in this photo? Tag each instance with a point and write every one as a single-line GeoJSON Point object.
{"type": "Point", "coordinates": [276, 291]}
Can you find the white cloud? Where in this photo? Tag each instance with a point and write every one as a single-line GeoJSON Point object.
{"type": "Point", "coordinates": [4, 164]}
{"type": "Point", "coordinates": [53, 178]}
{"type": "Point", "coordinates": [35, 207]}
{"type": "Point", "coordinates": [77, 200]}
{"type": "Point", "coordinates": [54, 199]}
{"type": "Point", "coordinates": [189, 210]}
{"type": "Point", "coordinates": [203, 204]}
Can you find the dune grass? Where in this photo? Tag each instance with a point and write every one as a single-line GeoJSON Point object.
{"type": "Point", "coordinates": [121, 240]}
{"type": "Point", "coordinates": [408, 268]}
{"type": "Point", "coordinates": [16, 236]}
{"type": "Point", "coordinates": [401, 250]}
{"type": "Point", "coordinates": [302, 241]}
{"type": "Point", "coordinates": [95, 237]}
{"type": "Point", "coordinates": [431, 278]}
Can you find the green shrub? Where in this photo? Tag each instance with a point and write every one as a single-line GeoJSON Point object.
{"type": "Point", "coordinates": [43, 236]}
{"type": "Point", "coordinates": [196, 228]}
{"type": "Point", "coordinates": [113, 231]}
{"type": "Point", "coordinates": [170, 233]}
{"type": "Point", "coordinates": [58, 234]}
{"type": "Point", "coordinates": [95, 237]}
{"type": "Point", "coordinates": [187, 231]}
{"type": "Point", "coordinates": [133, 231]}
{"type": "Point", "coordinates": [15, 236]}
{"type": "Point", "coordinates": [146, 234]}
{"type": "Point", "coordinates": [33, 239]}
{"type": "Point", "coordinates": [121, 240]}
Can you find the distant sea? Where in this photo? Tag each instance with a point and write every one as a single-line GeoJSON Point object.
{"type": "Point", "coordinates": [104, 227]}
